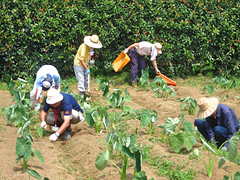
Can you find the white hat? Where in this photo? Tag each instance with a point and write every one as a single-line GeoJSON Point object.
{"type": "Point", "coordinates": [54, 96]}
{"type": "Point", "coordinates": [207, 107]}
{"type": "Point", "coordinates": [158, 46]}
{"type": "Point", "coordinates": [93, 41]}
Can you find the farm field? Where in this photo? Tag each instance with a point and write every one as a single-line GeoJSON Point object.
{"type": "Point", "coordinates": [75, 159]}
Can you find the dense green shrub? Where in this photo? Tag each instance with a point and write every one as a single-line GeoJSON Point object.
{"type": "Point", "coordinates": [34, 33]}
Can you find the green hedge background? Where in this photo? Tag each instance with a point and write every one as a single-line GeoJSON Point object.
{"type": "Point", "coordinates": [34, 33]}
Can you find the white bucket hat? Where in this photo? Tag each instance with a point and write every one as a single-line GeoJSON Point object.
{"type": "Point", "coordinates": [54, 96]}
{"type": "Point", "coordinates": [93, 41]}
{"type": "Point", "coordinates": [158, 46]}
{"type": "Point", "coordinates": [207, 107]}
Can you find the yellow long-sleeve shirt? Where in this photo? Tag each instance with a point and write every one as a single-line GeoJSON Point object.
{"type": "Point", "coordinates": [83, 54]}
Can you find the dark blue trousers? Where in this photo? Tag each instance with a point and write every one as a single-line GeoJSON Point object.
{"type": "Point", "coordinates": [137, 62]}
{"type": "Point", "coordinates": [220, 132]}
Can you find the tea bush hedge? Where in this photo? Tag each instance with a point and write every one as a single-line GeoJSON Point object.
{"type": "Point", "coordinates": [34, 33]}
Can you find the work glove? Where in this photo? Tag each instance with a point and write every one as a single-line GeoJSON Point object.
{"type": "Point", "coordinates": [213, 140]}
{"type": "Point", "coordinates": [224, 149]}
{"type": "Point", "coordinates": [125, 51]}
{"type": "Point", "coordinates": [88, 71]}
{"type": "Point", "coordinates": [43, 124]}
{"type": "Point", "coordinates": [81, 117]}
{"type": "Point", "coordinates": [158, 72]}
{"type": "Point", "coordinates": [53, 137]}
{"type": "Point", "coordinates": [37, 107]}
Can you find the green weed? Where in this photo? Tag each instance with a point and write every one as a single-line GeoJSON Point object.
{"type": "Point", "coordinates": [171, 170]}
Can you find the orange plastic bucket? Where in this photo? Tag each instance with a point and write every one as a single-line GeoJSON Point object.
{"type": "Point", "coordinates": [120, 61]}
{"type": "Point", "coordinates": [168, 80]}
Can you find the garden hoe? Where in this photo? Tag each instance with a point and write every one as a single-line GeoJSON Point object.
{"type": "Point", "coordinates": [88, 91]}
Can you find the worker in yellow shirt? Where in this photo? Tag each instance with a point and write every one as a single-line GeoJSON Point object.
{"type": "Point", "coordinates": [81, 61]}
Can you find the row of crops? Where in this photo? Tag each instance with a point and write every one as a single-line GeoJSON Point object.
{"type": "Point", "coordinates": [122, 147]}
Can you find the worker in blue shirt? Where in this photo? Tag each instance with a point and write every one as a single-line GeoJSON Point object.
{"type": "Point", "coordinates": [65, 111]}
{"type": "Point", "coordinates": [220, 122]}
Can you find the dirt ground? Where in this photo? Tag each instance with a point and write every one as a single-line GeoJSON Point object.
{"type": "Point", "coordinates": [74, 159]}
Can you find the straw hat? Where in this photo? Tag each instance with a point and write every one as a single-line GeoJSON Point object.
{"type": "Point", "coordinates": [54, 96]}
{"type": "Point", "coordinates": [46, 82]}
{"type": "Point", "coordinates": [207, 107]}
{"type": "Point", "coordinates": [93, 41]}
{"type": "Point", "coordinates": [158, 46]}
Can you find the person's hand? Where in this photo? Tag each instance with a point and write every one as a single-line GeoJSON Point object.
{"type": "Point", "coordinates": [125, 51]}
{"type": "Point", "coordinates": [158, 72]}
{"type": "Point", "coordinates": [224, 149]}
{"type": "Point", "coordinates": [43, 124]}
{"type": "Point", "coordinates": [81, 117]}
{"type": "Point", "coordinates": [213, 140]}
{"type": "Point", "coordinates": [53, 137]}
{"type": "Point", "coordinates": [88, 71]}
{"type": "Point", "coordinates": [37, 107]}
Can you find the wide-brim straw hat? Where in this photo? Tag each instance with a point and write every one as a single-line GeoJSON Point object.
{"type": "Point", "coordinates": [54, 96]}
{"type": "Point", "coordinates": [158, 46]}
{"type": "Point", "coordinates": [207, 106]}
{"type": "Point", "coordinates": [93, 41]}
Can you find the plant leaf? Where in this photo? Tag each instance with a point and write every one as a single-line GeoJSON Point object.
{"type": "Point", "coordinates": [127, 96]}
{"type": "Point", "coordinates": [221, 162]}
{"type": "Point", "coordinates": [125, 150]}
{"type": "Point", "coordinates": [40, 131]}
{"type": "Point", "coordinates": [233, 145]}
{"type": "Point", "coordinates": [176, 141]}
{"type": "Point", "coordinates": [207, 146]}
{"type": "Point", "coordinates": [140, 176]}
{"type": "Point", "coordinates": [194, 154]}
{"type": "Point", "coordinates": [39, 156]}
{"type": "Point", "coordinates": [34, 173]}
{"type": "Point", "coordinates": [102, 160]}
{"type": "Point", "coordinates": [138, 161]}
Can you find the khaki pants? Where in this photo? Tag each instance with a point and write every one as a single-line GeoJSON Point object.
{"type": "Point", "coordinates": [51, 117]}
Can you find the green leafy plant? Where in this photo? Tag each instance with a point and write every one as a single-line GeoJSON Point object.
{"type": "Point", "coordinates": [96, 118]}
{"type": "Point", "coordinates": [189, 104]}
{"type": "Point", "coordinates": [160, 86]}
{"type": "Point", "coordinates": [148, 118]}
{"type": "Point", "coordinates": [144, 81]}
{"type": "Point", "coordinates": [22, 105]}
{"type": "Point", "coordinates": [233, 144]}
{"type": "Point", "coordinates": [128, 150]}
{"type": "Point", "coordinates": [177, 137]}
{"type": "Point", "coordinates": [24, 149]}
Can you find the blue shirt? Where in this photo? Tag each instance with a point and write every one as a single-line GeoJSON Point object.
{"type": "Point", "coordinates": [47, 69]}
{"type": "Point", "coordinates": [67, 104]}
{"type": "Point", "coordinates": [225, 117]}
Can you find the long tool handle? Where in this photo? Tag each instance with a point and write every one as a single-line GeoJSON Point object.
{"type": "Point", "coordinates": [89, 82]}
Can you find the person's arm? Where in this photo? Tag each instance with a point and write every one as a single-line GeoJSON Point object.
{"type": "Point", "coordinates": [64, 125]}
{"type": "Point", "coordinates": [154, 62]}
{"type": "Point", "coordinates": [37, 100]}
{"type": "Point", "coordinates": [43, 116]}
{"type": "Point", "coordinates": [84, 65]}
{"type": "Point", "coordinates": [132, 46]}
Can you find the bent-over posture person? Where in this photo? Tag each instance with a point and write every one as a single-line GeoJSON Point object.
{"type": "Point", "coordinates": [137, 52]}
{"type": "Point", "coordinates": [220, 122]}
{"type": "Point", "coordinates": [47, 77]}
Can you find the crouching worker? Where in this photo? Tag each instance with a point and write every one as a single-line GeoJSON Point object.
{"type": "Point", "coordinates": [220, 122]}
{"type": "Point", "coordinates": [65, 111]}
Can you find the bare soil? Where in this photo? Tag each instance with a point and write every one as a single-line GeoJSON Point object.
{"type": "Point", "coordinates": [75, 158]}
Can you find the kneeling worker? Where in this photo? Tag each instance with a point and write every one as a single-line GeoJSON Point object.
{"type": "Point", "coordinates": [66, 111]}
{"type": "Point", "coordinates": [220, 122]}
